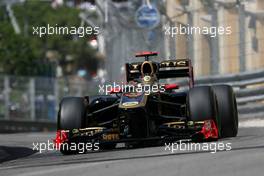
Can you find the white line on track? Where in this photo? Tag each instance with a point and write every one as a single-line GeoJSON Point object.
{"type": "Point", "coordinates": [252, 123]}
{"type": "Point", "coordinates": [51, 171]}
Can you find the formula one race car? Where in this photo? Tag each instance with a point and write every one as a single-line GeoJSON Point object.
{"type": "Point", "coordinates": [145, 111]}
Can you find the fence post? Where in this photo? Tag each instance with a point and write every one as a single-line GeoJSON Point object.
{"type": "Point", "coordinates": [32, 99]}
{"type": "Point", "coordinates": [215, 43]}
{"type": "Point", "coordinates": [242, 38]}
{"type": "Point", "coordinates": [6, 95]}
{"type": "Point", "coordinates": [190, 38]}
{"type": "Point", "coordinates": [56, 95]}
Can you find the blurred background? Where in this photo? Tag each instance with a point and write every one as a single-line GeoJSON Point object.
{"type": "Point", "coordinates": [35, 73]}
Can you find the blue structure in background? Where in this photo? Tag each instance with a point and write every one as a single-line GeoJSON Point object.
{"type": "Point", "coordinates": [147, 16]}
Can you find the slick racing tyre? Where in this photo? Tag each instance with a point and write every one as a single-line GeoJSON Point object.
{"type": "Point", "coordinates": [201, 104]}
{"type": "Point", "coordinates": [227, 108]}
{"type": "Point", "coordinates": [72, 113]}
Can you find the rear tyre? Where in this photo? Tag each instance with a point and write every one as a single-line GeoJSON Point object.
{"type": "Point", "coordinates": [227, 108]}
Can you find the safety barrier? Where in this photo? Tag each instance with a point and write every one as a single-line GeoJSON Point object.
{"type": "Point", "coordinates": [249, 89]}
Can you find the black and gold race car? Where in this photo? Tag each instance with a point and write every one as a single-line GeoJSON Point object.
{"type": "Point", "coordinates": [146, 112]}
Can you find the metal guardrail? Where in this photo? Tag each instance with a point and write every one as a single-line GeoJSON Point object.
{"type": "Point", "coordinates": [9, 126]}
{"type": "Point", "coordinates": [31, 103]}
{"type": "Point", "coordinates": [249, 89]}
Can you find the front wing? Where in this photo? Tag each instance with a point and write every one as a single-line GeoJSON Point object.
{"type": "Point", "coordinates": [203, 130]}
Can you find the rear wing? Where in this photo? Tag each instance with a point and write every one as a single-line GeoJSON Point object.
{"type": "Point", "coordinates": [165, 69]}
{"type": "Point", "coordinates": [176, 69]}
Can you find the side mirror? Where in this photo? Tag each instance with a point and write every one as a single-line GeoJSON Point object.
{"type": "Point", "coordinates": [171, 86]}
{"type": "Point", "coordinates": [115, 90]}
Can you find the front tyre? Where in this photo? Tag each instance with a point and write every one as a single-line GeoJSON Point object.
{"type": "Point", "coordinates": [202, 107]}
{"type": "Point", "coordinates": [201, 104]}
{"type": "Point", "coordinates": [71, 115]}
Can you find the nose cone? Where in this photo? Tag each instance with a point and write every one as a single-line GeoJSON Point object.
{"type": "Point", "coordinates": [133, 100]}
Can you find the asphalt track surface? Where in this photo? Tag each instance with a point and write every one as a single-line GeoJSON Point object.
{"type": "Point", "coordinates": [246, 158]}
